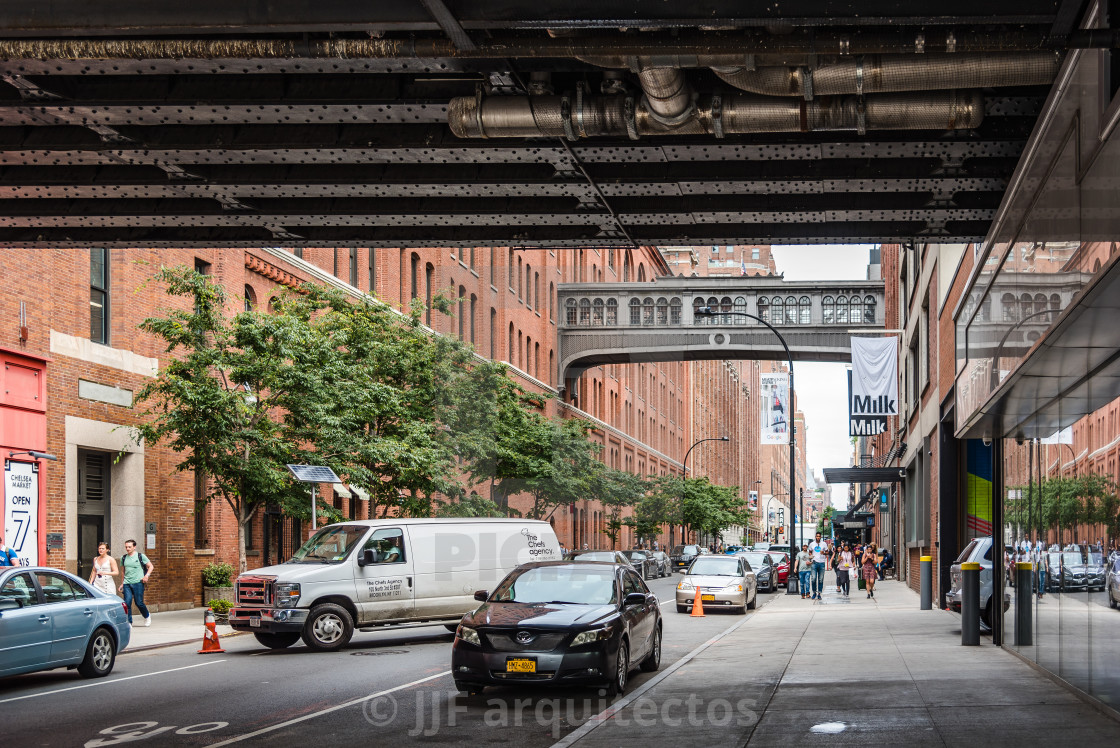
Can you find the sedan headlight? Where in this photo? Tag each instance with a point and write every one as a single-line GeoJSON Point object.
{"type": "Point", "coordinates": [592, 636]}
{"type": "Point", "coordinates": [287, 595]}
{"type": "Point", "coordinates": [684, 585]}
{"type": "Point", "coordinates": [469, 635]}
{"type": "Point", "coordinates": [733, 587]}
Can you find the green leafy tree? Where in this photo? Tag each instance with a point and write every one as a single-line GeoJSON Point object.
{"type": "Point", "coordinates": [824, 524]}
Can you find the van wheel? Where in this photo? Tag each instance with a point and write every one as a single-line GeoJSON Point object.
{"type": "Point", "coordinates": [282, 640]}
{"type": "Point", "coordinates": [101, 653]}
{"type": "Point", "coordinates": [328, 628]}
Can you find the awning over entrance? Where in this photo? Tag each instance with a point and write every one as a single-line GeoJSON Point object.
{"type": "Point", "coordinates": [1073, 370]}
{"type": "Point", "coordinates": [864, 475]}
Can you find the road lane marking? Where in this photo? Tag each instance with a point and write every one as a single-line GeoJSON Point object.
{"type": "Point", "coordinates": [321, 712]}
{"type": "Point", "coordinates": [105, 682]}
{"type": "Point", "coordinates": [600, 718]}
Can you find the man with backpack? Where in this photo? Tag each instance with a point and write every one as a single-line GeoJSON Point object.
{"type": "Point", "coordinates": [8, 557]}
{"type": "Point", "coordinates": [137, 568]}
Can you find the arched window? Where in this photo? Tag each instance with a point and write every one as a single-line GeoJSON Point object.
{"type": "Point", "coordinates": [250, 298]}
{"type": "Point", "coordinates": [856, 306]}
{"type": "Point", "coordinates": [1055, 301]}
{"type": "Point", "coordinates": [804, 310]}
{"type": "Point", "coordinates": [791, 310]}
{"type": "Point", "coordinates": [462, 313]}
{"type": "Point", "coordinates": [626, 267]}
{"type": "Point", "coordinates": [675, 311]}
{"type": "Point", "coordinates": [777, 311]}
{"type": "Point", "coordinates": [697, 304]}
{"type": "Point", "coordinates": [474, 301]}
{"type": "Point", "coordinates": [1010, 307]}
{"type": "Point", "coordinates": [662, 311]}
{"type": "Point", "coordinates": [551, 302]}
{"type": "Point", "coordinates": [612, 312]}
{"type": "Point", "coordinates": [740, 306]}
{"type": "Point", "coordinates": [570, 311]}
{"type": "Point", "coordinates": [869, 309]}
{"type": "Point", "coordinates": [510, 348]}
{"type": "Point", "coordinates": [429, 281]}
{"type": "Point", "coordinates": [1040, 302]}
{"type": "Point", "coordinates": [647, 312]}
{"type": "Point", "coordinates": [414, 276]}
{"type": "Point", "coordinates": [584, 312]}
{"type": "Point", "coordinates": [597, 313]}
{"type": "Point", "coordinates": [1025, 304]}
{"type": "Point", "coordinates": [841, 310]}
{"type": "Point", "coordinates": [764, 308]}
{"type": "Point", "coordinates": [642, 273]}
{"type": "Point", "coordinates": [510, 273]}
{"type": "Point", "coordinates": [493, 333]}
{"type": "Point", "coordinates": [828, 310]}
{"type": "Point", "coordinates": [520, 280]}
{"type": "Point", "coordinates": [635, 312]}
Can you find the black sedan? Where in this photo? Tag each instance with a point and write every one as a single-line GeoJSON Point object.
{"type": "Point", "coordinates": [559, 623]}
{"type": "Point", "coordinates": [765, 570]}
{"type": "Point", "coordinates": [643, 562]}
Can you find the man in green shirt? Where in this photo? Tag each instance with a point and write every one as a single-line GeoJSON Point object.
{"type": "Point", "coordinates": [137, 568]}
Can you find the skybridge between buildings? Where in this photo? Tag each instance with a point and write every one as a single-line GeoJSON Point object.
{"type": "Point", "coordinates": [613, 323]}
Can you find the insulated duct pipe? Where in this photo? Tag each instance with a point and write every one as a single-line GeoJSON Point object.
{"type": "Point", "coordinates": [575, 117]}
{"type": "Point", "coordinates": [877, 74]}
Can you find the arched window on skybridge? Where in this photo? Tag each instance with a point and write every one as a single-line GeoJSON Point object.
{"type": "Point", "coordinates": [869, 310]}
{"type": "Point", "coordinates": [675, 311]}
{"type": "Point", "coordinates": [777, 311]}
{"type": "Point", "coordinates": [612, 312]}
{"type": "Point", "coordinates": [1055, 301]}
{"type": "Point", "coordinates": [725, 307]}
{"type": "Point", "coordinates": [1025, 305]}
{"type": "Point", "coordinates": [570, 315]}
{"type": "Point", "coordinates": [841, 310]}
{"type": "Point", "coordinates": [585, 312]}
{"type": "Point", "coordinates": [1040, 302]}
{"type": "Point", "coordinates": [647, 312]}
{"type": "Point", "coordinates": [635, 312]}
{"type": "Point", "coordinates": [804, 310]}
{"type": "Point", "coordinates": [662, 311]}
{"type": "Point", "coordinates": [740, 306]}
{"type": "Point", "coordinates": [597, 313]}
{"type": "Point", "coordinates": [828, 310]}
{"type": "Point", "coordinates": [791, 310]}
{"type": "Point", "coordinates": [697, 304]}
{"type": "Point", "coordinates": [856, 314]}
{"type": "Point", "coordinates": [764, 308]}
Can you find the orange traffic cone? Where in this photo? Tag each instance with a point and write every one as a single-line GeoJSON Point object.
{"type": "Point", "coordinates": [210, 641]}
{"type": "Point", "coordinates": [697, 606]}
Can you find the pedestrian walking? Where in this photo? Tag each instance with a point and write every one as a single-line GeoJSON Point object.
{"type": "Point", "coordinates": [137, 569]}
{"type": "Point", "coordinates": [845, 564]}
{"type": "Point", "coordinates": [104, 570]}
{"type": "Point", "coordinates": [870, 573]}
{"type": "Point", "coordinates": [818, 551]}
{"type": "Point", "coordinates": [8, 557]}
{"type": "Point", "coordinates": [834, 561]}
{"type": "Point", "coordinates": [804, 567]}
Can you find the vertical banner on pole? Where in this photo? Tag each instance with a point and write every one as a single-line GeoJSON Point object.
{"type": "Point", "coordinates": [21, 510]}
{"type": "Point", "coordinates": [874, 390]}
{"type": "Point", "coordinates": [775, 408]}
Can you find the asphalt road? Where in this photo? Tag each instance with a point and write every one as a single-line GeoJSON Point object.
{"type": "Point", "coordinates": [386, 688]}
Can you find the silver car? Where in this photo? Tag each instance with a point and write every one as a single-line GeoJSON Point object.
{"type": "Point", "coordinates": [51, 619]}
{"type": "Point", "coordinates": [723, 581]}
{"type": "Point", "coordinates": [979, 550]}
{"type": "Point", "coordinates": [1113, 582]}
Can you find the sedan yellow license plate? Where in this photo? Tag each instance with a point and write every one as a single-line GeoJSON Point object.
{"type": "Point", "coordinates": [521, 666]}
{"type": "Point", "coordinates": [707, 598]}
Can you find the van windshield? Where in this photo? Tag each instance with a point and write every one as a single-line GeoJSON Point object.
{"type": "Point", "coordinates": [331, 545]}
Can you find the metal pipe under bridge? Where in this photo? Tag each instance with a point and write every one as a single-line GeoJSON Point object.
{"type": "Point", "coordinates": [618, 323]}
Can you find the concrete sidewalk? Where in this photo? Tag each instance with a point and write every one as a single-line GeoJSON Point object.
{"type": "Point", "coordinates": [850, 671]}
{"type": "Point", "coordinates": [171, 628]}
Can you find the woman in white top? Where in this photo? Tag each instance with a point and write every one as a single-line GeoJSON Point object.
{"type": "Point", "coordinates": [104, 569]}
{"type": "Point", "coordinates": [844, 565]}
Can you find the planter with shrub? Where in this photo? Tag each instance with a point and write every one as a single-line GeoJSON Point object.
{"type": "Point", "coordinates": [216, 583]}
{"type": "Point", "coordinates": [221, 610]}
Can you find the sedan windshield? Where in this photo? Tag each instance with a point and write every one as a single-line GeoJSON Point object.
{"type": "Point", "coordinates": [634, 555]}
{"type": "Point", "coordinates": [579, 585]}
{"type": "Point", "coordinates": [715, 566]}
{"type": "Point", "coordinates": [757, 560]}
{"type": "Point", "coordinates": [595, 556]}
{"type": "Point", "coordinates": [1072, 559]}
{"type": "Point", "coordinates": [331, 545]}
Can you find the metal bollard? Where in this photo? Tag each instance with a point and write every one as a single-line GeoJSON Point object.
{"type": "Point", "coordinates": [927, 582]}
{"type": "Point", "coordinates": [1024, 595]}
{"type": "Point", "coordinates": [970, 604]}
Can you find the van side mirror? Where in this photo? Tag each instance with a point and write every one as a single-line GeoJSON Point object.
{"type": "Point", "coordinates": [481, 595]}
{"type": "Point", "coordinates": [366, 558]}
{"type": "Point", "coordinates": [634, 598]}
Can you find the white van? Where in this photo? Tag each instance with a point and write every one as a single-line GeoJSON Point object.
{"type": "Point", "coordinates": [386, 571]}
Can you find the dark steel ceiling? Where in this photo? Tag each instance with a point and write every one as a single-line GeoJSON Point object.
{"type": "Point", "coordinates": [292, 123]}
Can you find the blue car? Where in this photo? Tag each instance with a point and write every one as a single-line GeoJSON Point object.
{"type": "Point", "coordinates": [51, 619]}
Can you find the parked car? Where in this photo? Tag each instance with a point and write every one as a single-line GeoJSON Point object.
{"type": "Point", "coordinates": [559, 624]}
{"type": "Point", "coordinates": [383, 571]}
{"type": "Point", "coordinates": [611, 557]}
{"type": "Point", "coordinates": [762, 563]}
{"type": "Point", "coordinates": [1114, 582]}
{"type": "Point", "coordinates": [776, 548]}
{"type": "Point", "coordinates": [722, 580]}
{"type": "Point", "coordinates": [664, 565]}
{"type": "Point", "coordinates": [51, 619]}
{"type": "Point", "coordinates": [683, 555]}
{"type": "Point", "coordinates": [978, 550]}
{"type": "Point", "coordinates": [642, 562]}
{"type": "Point", "coordinates": [782, 569]}
{"type": "Point", "coordinates": [1096, 574]}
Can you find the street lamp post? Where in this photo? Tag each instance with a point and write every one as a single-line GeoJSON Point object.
{"type": "Point", "coordinates": [707, 311]}
{"type": "Point", "coordinates": [684, 474]}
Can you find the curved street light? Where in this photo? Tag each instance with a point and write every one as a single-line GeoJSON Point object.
{"type": "Point", "coordinates": [707, 311]}
{"type": "Point", "coordinates": [684, 473]}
